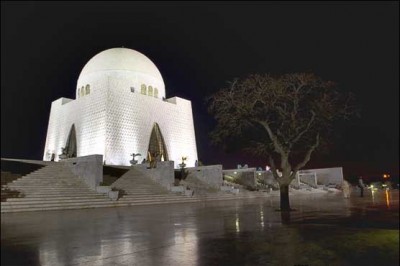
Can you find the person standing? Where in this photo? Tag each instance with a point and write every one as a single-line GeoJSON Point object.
{"type": "Point", "coordinates": [361, 185]}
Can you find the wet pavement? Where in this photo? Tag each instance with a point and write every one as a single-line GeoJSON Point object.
{"type": "Point", "coordinates": [323, 230]}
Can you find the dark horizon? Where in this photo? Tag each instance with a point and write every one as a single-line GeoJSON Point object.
{"type": "Point", "coordinates": [198, 47]}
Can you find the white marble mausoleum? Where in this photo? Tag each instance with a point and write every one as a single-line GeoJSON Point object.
{"type": "Point", "coordinates": [121, 108]}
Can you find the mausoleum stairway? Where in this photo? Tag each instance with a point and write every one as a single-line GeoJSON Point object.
{"type": "Point", "coordinates": [55, 187]}
{"type": "Point", "coordinates": [52, 187]}
{"type": "Point", "coordinates": [8, 177]}
{"type": "Point", "coordinates": [141, 190]}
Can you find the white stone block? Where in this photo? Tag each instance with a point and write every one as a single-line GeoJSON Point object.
{"type": "Point", "coordinates": [113, 195]}
{"type": "Point", "coordinates": [103, 189]}
{"type": "Point", "coordinates": [179, 189]}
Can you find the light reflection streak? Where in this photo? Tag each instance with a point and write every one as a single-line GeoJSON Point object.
{"type": "Point", "coordinates": [115, 247]}
{"type": "Point", "coordinates": [387, 198]}
{"type": "Point", "coordinates": [373, 197]}
{"type": "Point", "coordinates": [262, 217]}
{"type": "Point", "coordinates": [237, 224]}
{"type": "Point", "coordinates": [48, 254]}
{"type": "Point", "coordinates": [186, 239]}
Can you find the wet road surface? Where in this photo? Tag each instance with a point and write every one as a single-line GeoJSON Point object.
{"type": "Point", "coordinates": [323, 230]}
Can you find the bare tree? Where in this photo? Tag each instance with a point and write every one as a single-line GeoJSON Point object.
{"type": "Point", "coordinates": [293, 112]}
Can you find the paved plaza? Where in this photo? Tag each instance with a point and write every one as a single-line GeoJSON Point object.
{"type": "Point", "coordinates": [323, 230]}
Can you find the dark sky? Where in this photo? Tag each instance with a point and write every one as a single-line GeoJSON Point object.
{"type": "Point", "coordinates": [197, 48]}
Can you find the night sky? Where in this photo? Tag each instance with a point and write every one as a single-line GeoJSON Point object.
{"type": "Point", "coordinates": [198, 47]}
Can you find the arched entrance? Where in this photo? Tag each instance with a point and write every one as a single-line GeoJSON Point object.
{"type": "Point", "coordinates": [157, 144]}
{"type": "Point", "coordinates": [70, 146]}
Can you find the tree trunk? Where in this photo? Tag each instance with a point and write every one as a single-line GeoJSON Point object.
{"type": "Point", "coordinates": [285, 206]}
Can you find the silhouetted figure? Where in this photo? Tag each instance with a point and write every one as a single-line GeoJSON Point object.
{"type": "Point", "coordinates": [361, 185]}
{"type": "Point", "coordinates": [53, 156]}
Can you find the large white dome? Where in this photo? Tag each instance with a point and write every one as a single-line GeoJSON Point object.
{"type": "Point", "coordinates": [131, 63]}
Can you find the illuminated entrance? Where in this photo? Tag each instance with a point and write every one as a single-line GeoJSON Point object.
{"type": "Point", "coordinates": [157, 145]}
{"type": "Point", "coordinates": [70, 146]}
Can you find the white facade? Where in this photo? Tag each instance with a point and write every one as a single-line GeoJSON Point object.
{"type": "Point", "coordinates": [114, 115]}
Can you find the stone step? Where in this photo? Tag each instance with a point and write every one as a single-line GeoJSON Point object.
{"type": "Point", "coordinates": [47, 178]}
{"type": "Point", "coordinates": [57, 190]}
{"type": "Point", "coordinates": [49, 186]}
{"type": "Point", "coordinates": [59, 182]}
{"type": "Point", "coordinates": [88, 204]}
{"type": "Point", "coordinates": [141, 191]}
{"type": "Point", "coordinates": [34, 181]}
{"type": "Point", "coordinates": [71, 207]}
{"type": "Point", "coordinates": [100, 196]}
{"type": "Point", "coordinates": [144, 194]}
{"type": "Point", "coordinates": [119, 204]}
{"type": "Point", "coordinates": [137, 185]}
{"type": "Point", "coordinates": [105, 204]}
{"type": "Point", "coordinates": [43, 201]}
{"type": "Point", "coordinates": [46, 170]}
{"type": "Point", "coordinates": [132, 184]}
{"type": "Point", "coordinates": [81, 203]}
{"type": "Point", "coordinates": [50, 177]}
{"type": "Point", "coordinates": [50, 195]}
{"type": "Point", "coordinates": [53, 201]}
{"type": "Point", "coordinates": [136, 179]}
{"type": "Point", "coordinates": [131, 191]}
{"type": "Point", "coordinates": [49, 189]}
{"type": "Point", "coordinates": [56, 204]}
{"type": "Point", "coordinates": [127, 197]}
{"type": "Point", "coordinates": [44, 174]}
{"type": "Point", "coordinates": [52, 192]}
{"type": "Point", "coordinates": [38, 188]}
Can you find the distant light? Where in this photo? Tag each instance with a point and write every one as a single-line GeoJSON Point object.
{"type": "Point", "coordinates": [234, 173]}
{"type": "Point", "coordinates": [386, 175]}
{"type": "Point", "coordinates": [267, 168]}
{"type": "Point", "coordinates": [259, 173]}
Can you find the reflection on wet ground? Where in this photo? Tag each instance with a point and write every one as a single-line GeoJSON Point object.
{"type": "Point", "coordinates": [323, 230]}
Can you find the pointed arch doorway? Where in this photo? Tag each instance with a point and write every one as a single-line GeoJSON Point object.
{"type": "Point", "coordinates": [157, 145]}
{"type": "Point", "coordinates": [70, 145]}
